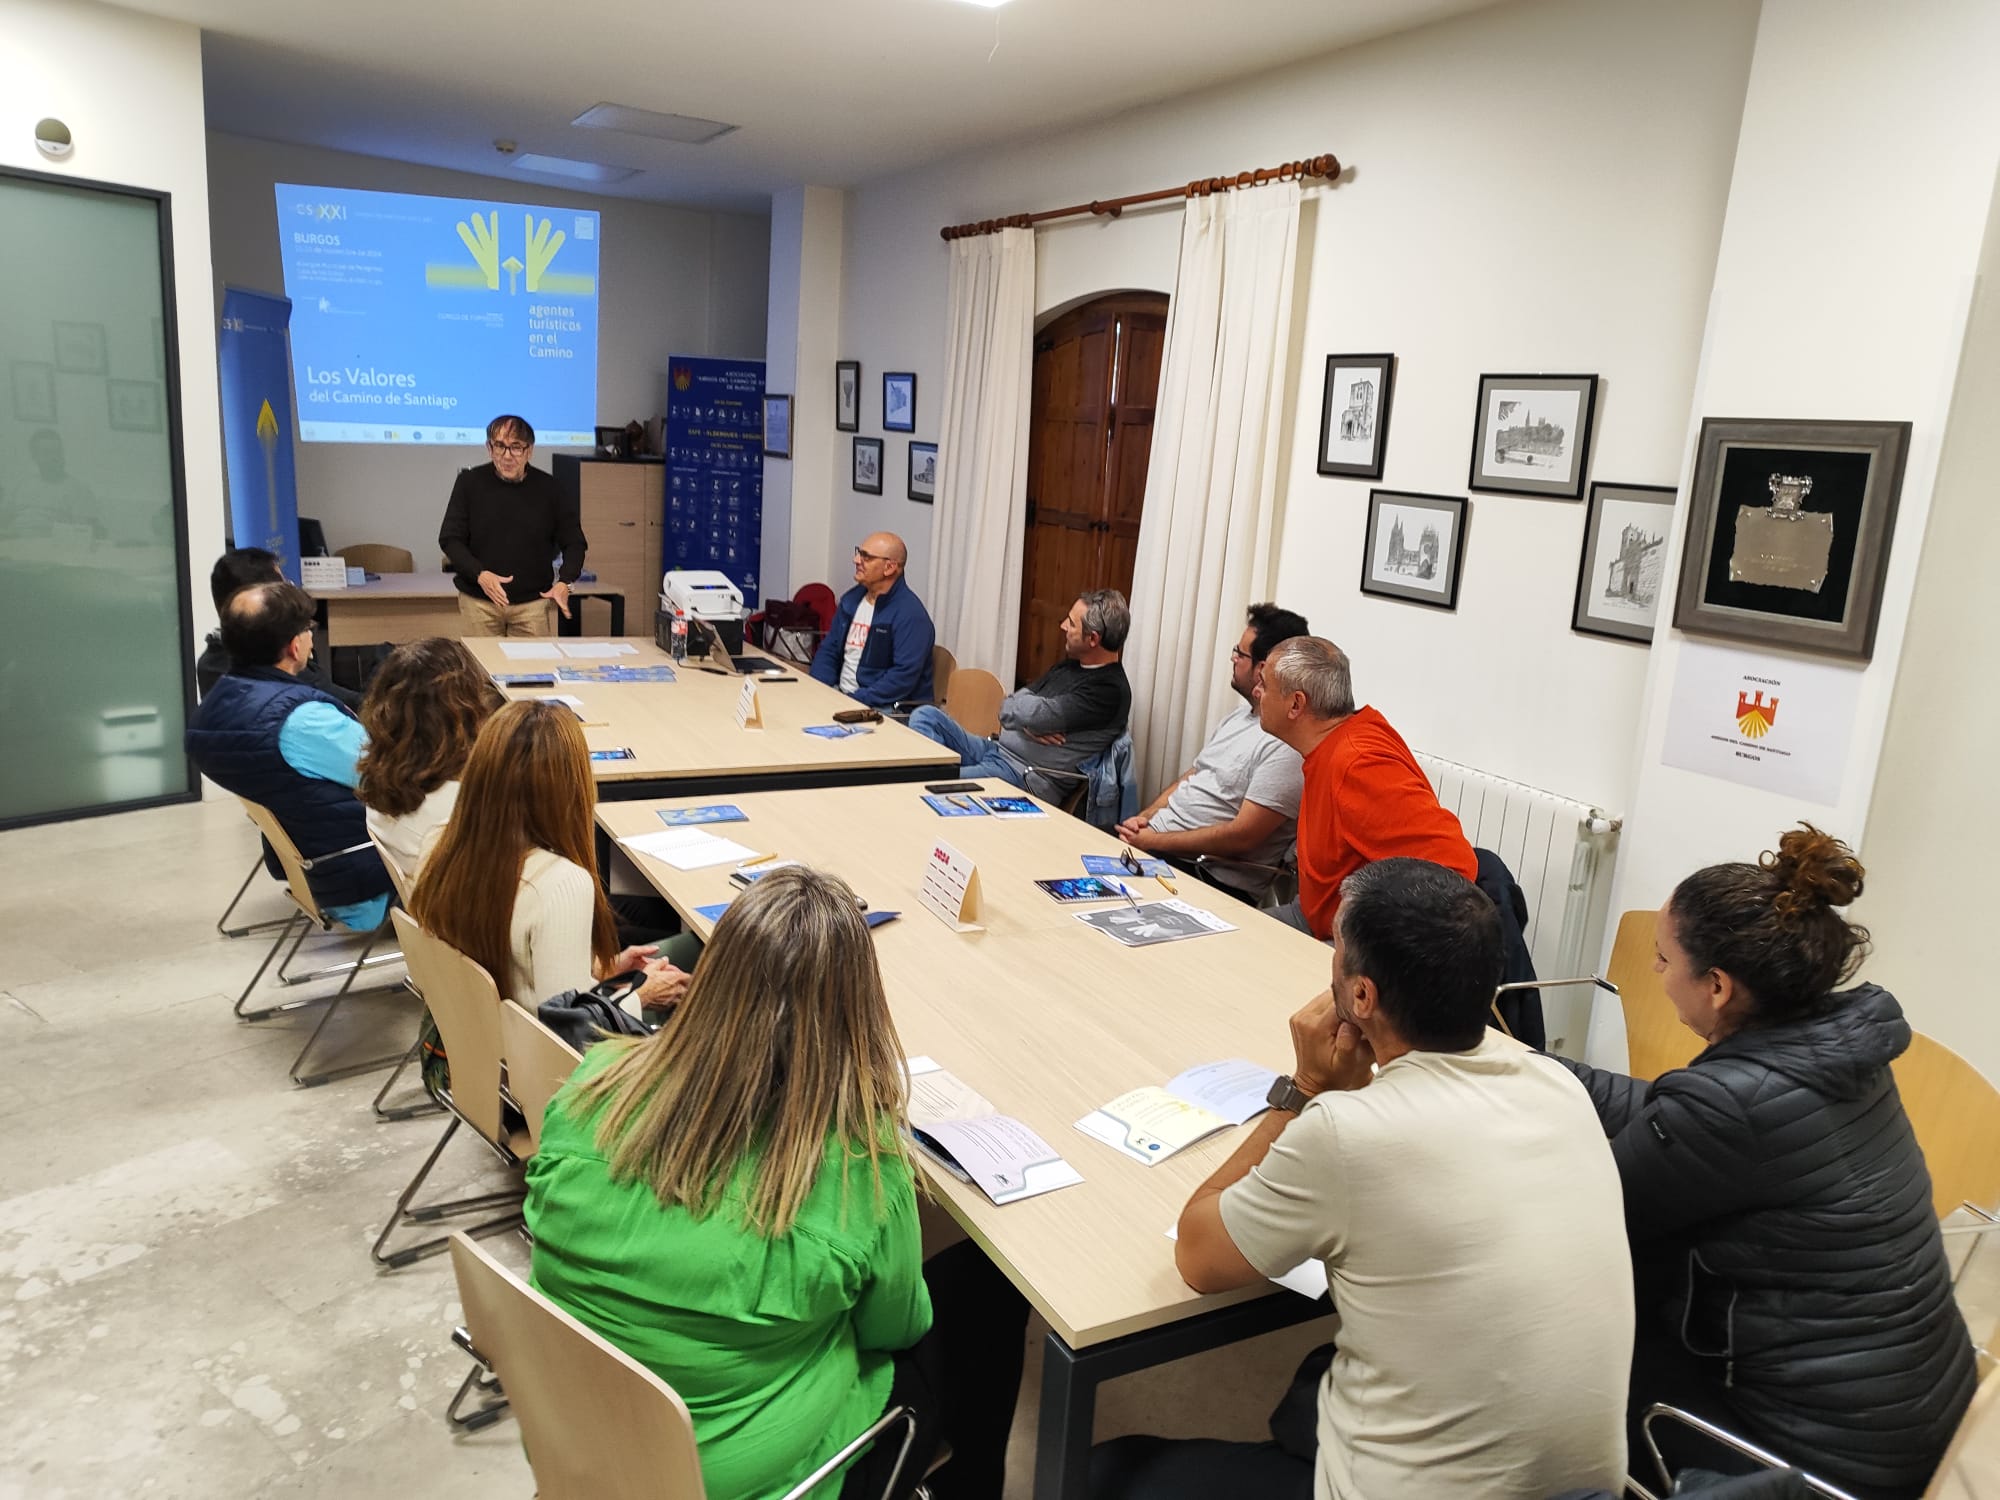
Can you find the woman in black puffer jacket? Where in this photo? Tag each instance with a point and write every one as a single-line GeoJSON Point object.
{"type": "Point", "coordinates": [1792, 1283]}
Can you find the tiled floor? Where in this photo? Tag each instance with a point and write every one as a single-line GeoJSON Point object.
{"type": "Point", "coordinates": [187, 1305]}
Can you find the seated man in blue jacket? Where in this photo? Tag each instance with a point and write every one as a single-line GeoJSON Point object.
{"type": "Point", "coordinates": [879, 649]}
{"type": "Point", "coordinates": [264, 734]}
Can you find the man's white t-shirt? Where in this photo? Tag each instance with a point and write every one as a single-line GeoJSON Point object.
{"type": "Point", "coordinates": [857, 637]}
{"type": "Point", "coordinates": [1240, 763]}
{"type": "Point", "coordinates": [1470, 1216]}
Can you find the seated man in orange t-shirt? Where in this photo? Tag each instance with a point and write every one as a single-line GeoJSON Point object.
{"type": "Point", "coordinates": [1365, 796]}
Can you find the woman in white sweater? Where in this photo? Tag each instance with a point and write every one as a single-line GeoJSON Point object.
{"type": "Point", "coordinates": [424, 708]}
{"type": "Point", "coordinates": [511, 880]}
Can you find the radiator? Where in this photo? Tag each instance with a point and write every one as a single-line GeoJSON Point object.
{"type": "Point", "coordinates": [1561, 853]}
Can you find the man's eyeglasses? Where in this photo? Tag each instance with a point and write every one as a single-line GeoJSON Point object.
{"type": "Point", "coordinates": [512, 450]}
{"type": "Point", "coordinates": [1237, 653]}
{"type": "Point", "coordinates": [867, 556]}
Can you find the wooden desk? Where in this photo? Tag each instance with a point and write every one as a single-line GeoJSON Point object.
{"type": "Point", "coordinates": [1049, 1018]}
{"type": "Point", "coordinates": [400, 607]}
{"type": "Point", "coordinates": [685, 739]}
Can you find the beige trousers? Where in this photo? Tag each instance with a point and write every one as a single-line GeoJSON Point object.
{"type": "Point", "coordinates": [484, 617]}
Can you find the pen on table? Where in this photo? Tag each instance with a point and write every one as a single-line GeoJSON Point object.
{"type": "Point", "coordinates": [1126, 891]}
{"type": "Point", "coordinates": [1172, 889]}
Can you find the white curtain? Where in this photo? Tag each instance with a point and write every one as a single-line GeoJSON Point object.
{"type": "Point", "coordinates": [980, 526]}
{"type": "Point", "coordinates": [1207, 539]}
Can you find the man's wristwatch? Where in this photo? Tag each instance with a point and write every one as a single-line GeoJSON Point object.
{"type": "Point", "coordinates": [1286, 1095]}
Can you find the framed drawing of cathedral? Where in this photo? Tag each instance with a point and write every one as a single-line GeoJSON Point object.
{"type": "Point", "coordinates": [1415, 548]}
{"type": "Point", "coordinates": [1620, 579]}
{"type": "Point", "coordinates": [1354, 414]}
{"type": "Point", "coordinates": [1788, 532]}
{"type": "Point", "coordinates": [1531, 434]}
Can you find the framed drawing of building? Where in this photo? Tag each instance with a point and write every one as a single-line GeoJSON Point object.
{"type": "Point", "coordinates": [1415, 547]}
{"type": "Point", "coordinates": [1531, 434]}
{"type": "Point", "coordinates": [1354, 414]}
{"type": "Point", "coordinates": [1622, 573]}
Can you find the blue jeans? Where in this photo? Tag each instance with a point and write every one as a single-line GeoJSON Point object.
{"type": "Point", "coordinates": [978, 758]}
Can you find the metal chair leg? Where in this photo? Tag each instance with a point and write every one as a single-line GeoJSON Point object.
{"type": "Point", "coordinates": [425, 1106]}
{"type": "Point", "coordinates": [431, 1213]}
{"type": "Point", "coordinates": [222, 923]}
{"type": "Point", "coordinates": [348, 1070]}
{"type": "Point", "coordinates": [331, 969]}
{"type": "Point", "coordinates": [301, 921]}
{"type": "Point", "coordinates": [493, 1405]}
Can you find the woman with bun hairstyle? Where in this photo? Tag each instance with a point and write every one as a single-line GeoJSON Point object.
{"type": "Point", "coordinates": [1792, 1283]}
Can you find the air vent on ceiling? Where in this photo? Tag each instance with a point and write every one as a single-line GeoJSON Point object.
{"type": "Point", "coordinates": [562, 166]}
{"type": "Point", "coordinates": [688, 130]}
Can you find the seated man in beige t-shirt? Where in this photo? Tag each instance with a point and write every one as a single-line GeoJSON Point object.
{"type": "Point", "coordinates": [1459, 1191]}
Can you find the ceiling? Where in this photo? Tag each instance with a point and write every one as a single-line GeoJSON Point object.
{"type": "Point", "coordinates": [825, 91]}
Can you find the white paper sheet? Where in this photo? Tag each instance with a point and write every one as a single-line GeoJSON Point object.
{"type": "Point", "coordinates": [689, 848]}
{"type": "Point", "coordinates": [594, 650]}
{"type": "Point", "coordinates": [1234, 1089]}
{"type": "Point", "coordinates": [936, 1095]}
{"type": "Point", "coordinates": [999, 1155]}
{"type": "Point", "coordinates": [531, 650]}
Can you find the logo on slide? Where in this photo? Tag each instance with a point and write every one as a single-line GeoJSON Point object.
{"type": "Point", "coordinates": [1754, 716]}
{"type": "Point", "coordinates": [683, 377]}
{"type": "Point", "coordinates": [540, 243]}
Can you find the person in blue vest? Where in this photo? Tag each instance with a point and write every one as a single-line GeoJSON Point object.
{"type": "Point", "coordinates": [879, 649]}
{"type": "Point", "coordinates": [264, 734]}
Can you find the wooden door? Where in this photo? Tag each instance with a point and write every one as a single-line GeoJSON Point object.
{"type": "Point", "coordinates": [1097, 371]}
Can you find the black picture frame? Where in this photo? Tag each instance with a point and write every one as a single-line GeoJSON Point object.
{"type": "Point", "coordinates": [1503, 467]}
{"type": "Point", "coordinates": [1402, 576]}
{"type": "Point", "coordinates": [847, 395]}
{"type": "Point", "coordinates": [777, 426]}
{"type": "Point", "coordinates": [1367, 411]}
{"type": "Point", "coordinates": [1828, 601]}
{"type": "Point", "coordinates": [610, 442]}
{"type": "Point", "coordinates": [1618, 596]}
{"type": "Point", "coordinates": [899, 395]}
{"type": "Point", "coordinates": [924, 492]}
{"type": "Point", "coordinates": [864, 484]}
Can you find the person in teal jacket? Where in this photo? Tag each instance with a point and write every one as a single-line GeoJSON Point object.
{"type": "Point", "coordinates": [731, 1202]}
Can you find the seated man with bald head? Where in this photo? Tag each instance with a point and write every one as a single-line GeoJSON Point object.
{"type": "Point", "coordinates": [879, 649]}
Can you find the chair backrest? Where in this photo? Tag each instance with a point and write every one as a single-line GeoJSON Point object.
{"type": "Point", "coordinates": [1955, 1113]}
{"type": "Point", "coordinates": [974, 700]}
{"type": "Point", "coordinates": [465, 1004]}
{"type": "Point", "coordinates": [596, 1424]}
{"type": "Point", "coordinates": [288, 856]}
{"type": "Point", "coordinates": [403, 883]}
{"type": "Point", "coordinates": [943, 664]}
{"type": "Point", "coordinates": [1971, 1466]}
{"type": "Point", "coordinates": [538, 1063]}
{"type": "Point", "coordinates": [1656, 1040]}
{"type": "Point", "coordinates": [822, 600]}
{"type": "Point", "coordinates": [379, 557]}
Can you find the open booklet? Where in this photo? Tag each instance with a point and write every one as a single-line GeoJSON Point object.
{"type": "Point", "coordinates": [954, 1125]}
{"type": "Point", "coordinates": [1150, 1124]}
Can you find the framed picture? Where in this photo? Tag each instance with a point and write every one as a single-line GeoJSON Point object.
{"type": "Point", "coordinates": [899, 402]}
{"type": "Point", "coordinates": [1416, 547]}
{"type": "Point", "coordinates": [868, 465]}
{"type": "Point", "coordinates": [777, 426]}
{"type": "Point", "coordinates": [1354, 414]}
{"type": "Point", "coordinates": [1531, 434]}
{"type": "Point", "coordinates": [847, 395]}
{"type": "Point", "coordinates": [1788, 532]}
{"type": "Point", "coordinates": [923, 472]}
{"type": "Point", "coordinates": [135, 406]}
{"type": "Point", "coordinates": [1624, 560]}
{"type": "Point", "coordinates": [610, 442]}
{"type": "Point", "coordinates": [81, 349]}
{"type": "Point", "coordinates": [34, 391]}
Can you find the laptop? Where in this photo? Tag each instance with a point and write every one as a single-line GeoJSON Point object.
{"type": "Point", "coordinates": [718, 659]}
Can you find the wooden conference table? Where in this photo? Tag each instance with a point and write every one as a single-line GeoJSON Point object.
{"type": "Point", "coordinates": [684, 738]}
{"type": "Point", "coordinates": [1048, 1018]}
{"type": "Point", "coordinates": [398, 607]}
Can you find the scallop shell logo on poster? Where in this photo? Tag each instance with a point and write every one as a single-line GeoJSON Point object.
{"type": "Point", "coordinates": [1754, 717]}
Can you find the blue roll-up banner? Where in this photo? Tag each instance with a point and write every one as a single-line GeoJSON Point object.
{"type": "Point", "coordinates": [255, 362]}
{"type": "Point", "coordinates": [715, 469]}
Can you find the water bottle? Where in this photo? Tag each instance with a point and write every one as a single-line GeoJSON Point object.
{"type": "Point", "coordinates": [679, 636]}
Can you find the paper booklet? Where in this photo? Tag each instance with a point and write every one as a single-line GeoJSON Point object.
{"type": "Point", "coordinates": [688, 848]}
{"type": "Point", "coordinates": [1111, 864]}
{"type": "Point", "coordinates": [954, 1125]}
{"type": "Point", "coordinates": [1150, 1124]}
{"type": "Point", "coordinates": [1155, 922]}
{"type": "Point", "coordinates": [1010, 807]}
{"type": "Point", "coordinates": [711, 812]}
{"type": "Point", "coordinates": [948, 805]}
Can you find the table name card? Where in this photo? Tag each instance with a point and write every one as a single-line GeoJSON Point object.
{"type": "Point", "coordinates": [950, 888]}
{"type": "Point", "coordinates": [323, 572]}
{"type": "Point", "coordinates": [748, 714]}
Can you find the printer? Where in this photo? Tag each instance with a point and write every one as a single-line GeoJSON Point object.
{"type": "Point", "coordinates": [705, 597]}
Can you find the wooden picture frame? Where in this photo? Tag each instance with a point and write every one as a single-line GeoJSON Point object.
{"type": "Point", "coordinates": [1622, 572]}
{"type": "Point", "coordinates": [1415, 547]}
{"type": "Point", "coordinates": [1531, 435]}
{"type": "Point", "coordinates": [1354, 414]}
{"type": "Point", "coordinates": [777, 426]}
{"type": "Point", "coordinates": [867, 470]}
{"type": "Point", "coordinates": [899, 401]}
{"type": "Point", "coordinates": [1788, 532]}
{"type": "Point", "coordinates": [923, 473]}
{"type": "Point", "coordinates": [847, 395]}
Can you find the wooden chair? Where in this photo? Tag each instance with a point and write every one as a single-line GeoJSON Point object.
{"type": "Point", "coordinates": [425, 1105]}
{"type": "Point", "coordinates": [538, 1063]}
{"type": "Point", "coordinates": [1956, 1115]}
{"type": "Point", "coordinates": [1654, 1036]}
{"type": "Point", "coordinates": [596, 1424]}
{"type": "Point", "coordinates": [379, 557]}
{"type": "Point", "coordinates": [974, 700]}
{"type": "Point", "coordinates": [943, 664]}
{"type": "Point", "coordinates": [306, 917]}
{"type": "Point", "coordinates": [465, 1004]}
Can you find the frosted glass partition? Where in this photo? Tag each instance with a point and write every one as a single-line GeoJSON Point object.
{"type": "Point", "coordinates": [95, 644]}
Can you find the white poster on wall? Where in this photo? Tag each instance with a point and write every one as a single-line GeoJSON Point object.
{"type": "Point", "coordinates": [1776, 723]}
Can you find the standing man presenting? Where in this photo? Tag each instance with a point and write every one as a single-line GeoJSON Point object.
{"type": "Point", "coordinates": [879, 649]}
{"type": "Point", "coordinates": [502, 530]}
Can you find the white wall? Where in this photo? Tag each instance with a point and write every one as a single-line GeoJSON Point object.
{"type": "Point", "coordinates": [676, 281]}
{"type": "Point", "coordinates": [802, 345]}
{"type": "Point", "coordinates": [129, 87]}
{"type": "Point", "coordinates": [1538, 186]}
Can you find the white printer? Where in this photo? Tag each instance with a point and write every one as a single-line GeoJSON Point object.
{"type": "Point", "coordinates": [707, 596]}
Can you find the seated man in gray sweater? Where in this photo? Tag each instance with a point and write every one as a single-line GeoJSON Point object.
{"type": "Point", "coordinates": [1071, 713]}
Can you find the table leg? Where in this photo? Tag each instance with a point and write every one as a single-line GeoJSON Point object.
{"type": "Point", "coordinates": [1068, 1412]}
{"type": "Point", "coordinates": [617, 613]}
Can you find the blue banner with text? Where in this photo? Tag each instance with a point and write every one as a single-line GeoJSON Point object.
{"type": "Point", "coordinates": [256, 380]}
{"type": "Point", "coordinates": [715, 469]}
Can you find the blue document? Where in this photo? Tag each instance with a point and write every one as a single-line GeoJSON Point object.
{"type": "Point", "coordinates": [714, 812]}
{"type": "Point", "coordinates": [1111, 864]}
{"type": "Point", "coordinates": [954, 807]}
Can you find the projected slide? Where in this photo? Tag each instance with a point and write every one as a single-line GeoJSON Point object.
{"type": "Point", "coordinates": [416, 320]}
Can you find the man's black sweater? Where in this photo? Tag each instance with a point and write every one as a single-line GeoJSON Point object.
{"type": "Point", "coordinates": [497, 527]}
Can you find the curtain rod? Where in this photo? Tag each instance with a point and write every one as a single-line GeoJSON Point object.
{"type": "Point", "coordinates": [1327, 166]}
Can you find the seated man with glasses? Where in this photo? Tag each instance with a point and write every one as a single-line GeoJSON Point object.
{"type": "Point", "coordinates": [503, 528]}
{"type": "Point", "coordinates": [879, 648]}
{"type": "Point", "coordinates": [1240, 799]}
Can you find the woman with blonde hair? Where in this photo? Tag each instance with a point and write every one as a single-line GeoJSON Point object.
{"type": "Point", "coordinates": [731, 1202]}
{"type": "Point", "coordinates": [511, 881]}
{"type": "Point", "coordinates": [424, 708]}
{"type": "Point", "coordinates": [1792, 1283]}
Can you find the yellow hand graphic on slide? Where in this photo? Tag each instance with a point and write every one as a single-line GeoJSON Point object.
{"type": "Point", "coordinates": [541, 249]}
{"type": "Point", "coordinates": [483, 240]}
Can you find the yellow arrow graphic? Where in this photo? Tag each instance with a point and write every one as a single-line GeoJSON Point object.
{"type": "Point", "coordinates": [267, 439]}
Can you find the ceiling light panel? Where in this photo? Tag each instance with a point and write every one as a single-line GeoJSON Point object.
{"type": "Point", "coordinates": [581, 171]}
{"type": "Point", "coordinates": [686, 130]}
